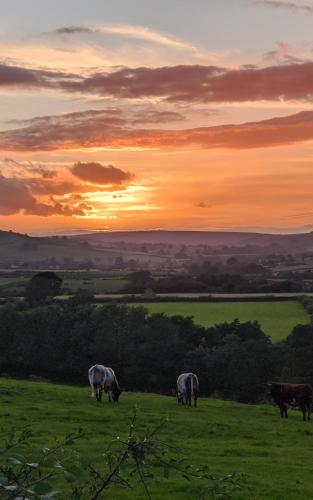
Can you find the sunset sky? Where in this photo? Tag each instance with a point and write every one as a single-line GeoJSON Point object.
{"type": "Point", "coordinates": [133, 114]}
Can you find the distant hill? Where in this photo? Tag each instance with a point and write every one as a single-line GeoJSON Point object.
{"type": "Point", "coordinates": [17, 249]}
{"type": "Point", "coordinates": [20, 248]}
{"type": "Point", "coordinates": [105, 248]}
{"type": "Point", "coordinates": [289, 243]}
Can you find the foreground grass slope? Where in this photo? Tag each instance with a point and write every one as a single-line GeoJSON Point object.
{"type": "Point", "coordinates": [277, 318]}
{"type": "Point", "coordinates": [275, 454]}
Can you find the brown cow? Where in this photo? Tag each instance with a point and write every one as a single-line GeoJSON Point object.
{"type": "Point", "coordinates": [300, 395]}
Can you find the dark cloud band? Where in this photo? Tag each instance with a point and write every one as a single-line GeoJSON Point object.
{"type": "Point", "coordinates": [177, 83]}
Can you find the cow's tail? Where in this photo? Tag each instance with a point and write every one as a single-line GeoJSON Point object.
{"type": "Point", "coordinates": [310, 405]}
{"type": "Point", "coordinates": [191, 388]}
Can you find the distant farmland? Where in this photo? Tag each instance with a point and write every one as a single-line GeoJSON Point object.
{"type": "Point", "coordinates": [276, 318]}
{"type": "Point", "coordinates": [72, 282]}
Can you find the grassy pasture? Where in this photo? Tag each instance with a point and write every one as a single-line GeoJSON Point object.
{"type": "Point", "coordinates": [7, 281]}
{"type": "Point", "coordinates": [275, 454]}
{"type": "Point", "coordinates": [94, 285]}
{"type": "Point", "coordinates": [71, 283]}
{"type": "Point", "coordinates": [276, 318]}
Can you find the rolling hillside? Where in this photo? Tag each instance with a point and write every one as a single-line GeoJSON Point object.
{"type": "Point", "coordinates": [271, 242]}
{"type": "Point", "coordinates": [19, 249]}
{"type": "Point", "coordinates": [24, 248]}
{"type": "Point", "coordinates": [275, 454]}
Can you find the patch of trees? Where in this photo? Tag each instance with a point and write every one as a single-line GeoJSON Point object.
{"type": "Point", "coordinates": [233, 360]}
{"type": "Point", "coordinates": [251, 278]}
{"type": "Point", "coordinates": [42, 286]}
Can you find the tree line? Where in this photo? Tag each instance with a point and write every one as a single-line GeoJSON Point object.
{"type": "Point", "coordinates": [208, 278]}
{"type": "Point", "coordinates": [148, 351]}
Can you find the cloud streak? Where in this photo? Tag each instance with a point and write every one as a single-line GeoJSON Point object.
{"type": "Point", "coordinates": [146, 34]}
{"type": "Point", "coordinates": [18, 76]}
{"type": "Point", "coordinates": [207, 84]}
{"type": "Point", "coordinates": [72, 30]}
{"type": "Point", "coordinates": [82, 131]}
{"type": "Point", "coordinates": [281, 4]}
{"type": "Point", "coordinates": [142, 33]}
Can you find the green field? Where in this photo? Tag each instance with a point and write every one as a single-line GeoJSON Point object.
{"type": "Point", "coordinates": [277, 318]}
{"type": "Point", "coordinates": [72, 282]}
{"type": "Point", "coordinates": [94, 285]}
{"type": "Point", "coordinates": [275, 454]}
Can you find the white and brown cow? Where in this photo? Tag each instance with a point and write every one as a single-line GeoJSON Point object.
{"type": "Point", "coordinates": [187, 388]}
{"type": "Point", "coordinates": [103, 379]}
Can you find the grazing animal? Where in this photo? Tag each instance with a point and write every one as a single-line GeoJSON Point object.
{"type": "Point", "coordinates": [187, 388]}
{"type": "Point", "coordinates": [103, 379]}
{"type": "Point", "coordinates": [300, 395]}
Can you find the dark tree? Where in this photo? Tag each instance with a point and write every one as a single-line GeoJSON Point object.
{"type": "Point", "coordinates": [42, 286]}
{"type": "Point", "coordinates": [139, 281]}
{"type": "Point", "coordinates": [298, 349]}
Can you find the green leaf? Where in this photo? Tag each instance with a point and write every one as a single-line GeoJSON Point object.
{"type": "Point", "coordinates": [49, 495]}
{"type": "Point", "coordinates": [71, 478]}
{"type": "Point", "coordinates": [17, 460]}
{"type": "Point", "coordinates": [11, 487]}
{"type": "Point", "coordinates": [75, 471]}
{"type": "Point", "coordinates": [52, 462]}
{"type": "Point", "coordinates": [42, 488]}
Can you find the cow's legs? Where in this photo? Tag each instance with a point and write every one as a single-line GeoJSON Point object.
{"type": "Point", "coordinates": [99, 394]}
{"type": "Point", "coordinates": [93, 390]}
{"type": "Point", "coordinates": [309, 412]}
{"type": "Point", "coordinates": [283, 410]}
{"type": "Point", "coordinates": [303, 409]}
{"type": "Point", "coordinates": [286, 411]}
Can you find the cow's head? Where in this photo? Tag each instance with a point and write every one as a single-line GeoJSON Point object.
{"type": "Point", "coordinates": [116, 392]}
{"type": "Point", "coordinates": [180, 397]}
{"type": "Point", "coordinates": [268, 387]}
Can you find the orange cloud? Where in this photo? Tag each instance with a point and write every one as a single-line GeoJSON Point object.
{"type": "Point", "coordinates": [58, 194]}
{"type": "Point", "coordinates": [95, 173]}
{"type": "Point", "coordinates": [16, 196]}
{"type": "Point", "coordinates": [79, 131]}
